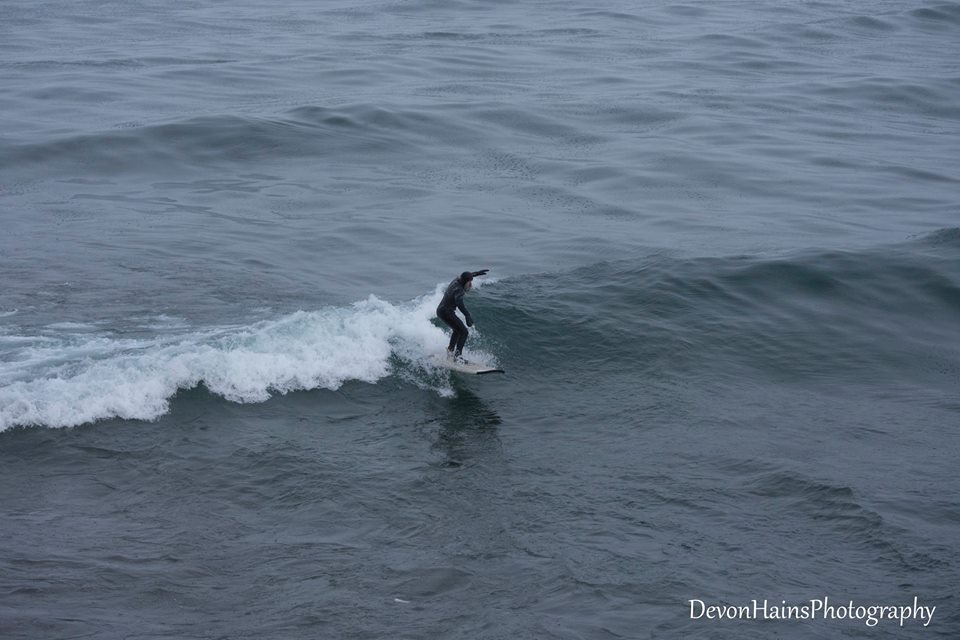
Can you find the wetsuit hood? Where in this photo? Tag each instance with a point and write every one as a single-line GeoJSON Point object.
{"type": "Point", "coordinates": [465, 277]}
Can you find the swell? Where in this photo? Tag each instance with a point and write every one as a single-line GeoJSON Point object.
{"type": "Point", "coordinates": [889, 313]}
{"type": "Point", "coordinates": [839, 509]}
{"type": "Point", "coordinates": [349, 132]}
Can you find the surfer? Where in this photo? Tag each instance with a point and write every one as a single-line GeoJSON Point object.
{"type": "Point", "coordinates": [453, 300]}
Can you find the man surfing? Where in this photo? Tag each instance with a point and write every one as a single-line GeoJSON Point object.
{"type": "Point", "coordinates": [446, 311]}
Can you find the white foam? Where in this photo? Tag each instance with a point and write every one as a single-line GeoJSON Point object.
{"type": "Point", "coordinates": [72, 326]}
{"type": "Point", "coordinates": [78, 378]}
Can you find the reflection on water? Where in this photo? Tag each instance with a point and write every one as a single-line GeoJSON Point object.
{"type": "Point", "coordinates": [468, 427]}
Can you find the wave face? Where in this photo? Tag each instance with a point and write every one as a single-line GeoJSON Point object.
{"type": "Point", "coordinates": [818, 311]}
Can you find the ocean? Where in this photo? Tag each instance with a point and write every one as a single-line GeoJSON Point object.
{"type": "Point", "coordinates": [724, 252]}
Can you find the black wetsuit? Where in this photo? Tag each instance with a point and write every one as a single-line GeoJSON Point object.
{"type": "Point", "coordinates": [446, 311]}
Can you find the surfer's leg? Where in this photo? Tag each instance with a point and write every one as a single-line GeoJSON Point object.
{"type": "Point", "coordinates": [453, 337]}
{"type": "Point", "coordinates": [459, 332]}
{"type": "Point", "coordinates": [461, 340]}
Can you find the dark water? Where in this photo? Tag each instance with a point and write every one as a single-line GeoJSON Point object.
{"type": "Point", "coordinates": [725, 257]}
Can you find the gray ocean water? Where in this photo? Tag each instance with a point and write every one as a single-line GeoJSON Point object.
{"type": "Point", "coordinates": [724, 242]}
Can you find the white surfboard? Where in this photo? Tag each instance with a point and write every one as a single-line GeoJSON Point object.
{"type": "Point", "coordinates": [464, 367]}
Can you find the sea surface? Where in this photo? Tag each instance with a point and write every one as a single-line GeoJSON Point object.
{"type": "Point", "coordinates": [724, 251]}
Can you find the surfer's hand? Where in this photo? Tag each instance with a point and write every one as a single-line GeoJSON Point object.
{"type": "Point", "coordinates": [469, 322]}
{"type": "Point", "coordinates": [482, 272]}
